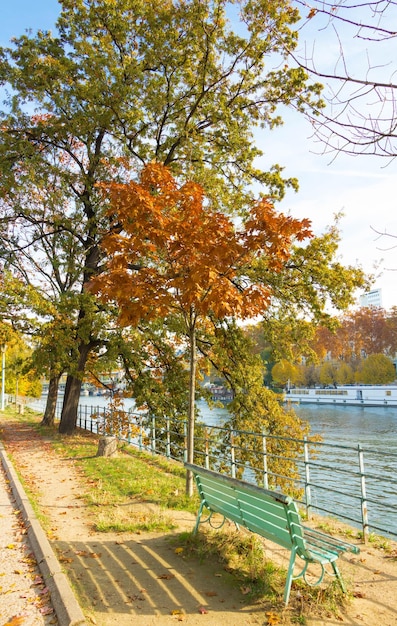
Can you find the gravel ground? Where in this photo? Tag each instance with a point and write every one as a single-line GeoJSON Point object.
{"type": "Point", "coordinates": [24, 599]}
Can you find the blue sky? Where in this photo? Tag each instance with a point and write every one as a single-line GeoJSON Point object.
{"type": "Point", "coordinates": [19, 15]}
{"type": "Point", "coordinates": [363, 188]}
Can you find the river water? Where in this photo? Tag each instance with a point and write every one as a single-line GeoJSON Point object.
{"type": "Point", "coordinates": [374, 427]}
{"type": "Point", "coordinates": [348, 425]}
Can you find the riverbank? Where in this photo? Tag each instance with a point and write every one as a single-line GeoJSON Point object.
{"type": "Point", "coordinates": [350, 474]}
{"type": "Point", "coordinates": [144, 578]}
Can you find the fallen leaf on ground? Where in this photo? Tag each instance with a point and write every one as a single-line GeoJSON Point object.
{"type": "Point", "coordinates": [15, 621]}
{"type": "Point", "coordinates": [85, 553]}
{"type": "Point", "coordinates": [165, 576]}
{"type": "Point", "coordinates": [65, 559]}
{"type": "Point", "coordinates": [272, 618]}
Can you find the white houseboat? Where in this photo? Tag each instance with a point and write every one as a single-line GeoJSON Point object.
{"type": "Point", "coordinates": [349, 395]}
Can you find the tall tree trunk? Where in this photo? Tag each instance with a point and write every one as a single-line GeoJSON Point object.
{"type": "Point", "coordinates": [191, 412]}
{"type": "Point", "coordinates": [72, 393]}
{"type": "Point", "coordinates": [51, 405]}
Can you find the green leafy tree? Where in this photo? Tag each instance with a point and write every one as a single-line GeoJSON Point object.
{"type": "Point", "coordinates": [312, 283]}
{"type": "Point", "coordinates": [40, 310]}
{"type": "Point", "coordinates": [376, 369]}
{"type": "Point", "coordinates": [285, 373]}
{"type": "Point", "coordinates": [254, 409]}
{"type": "Point", "coordinates": [344, 374]}
{"type": "Point", "coordinates": [124, 83]}
{"type": "Point", "coordinates": [329, 373]}
{"type": "Point", "coordinates": [20, 376]}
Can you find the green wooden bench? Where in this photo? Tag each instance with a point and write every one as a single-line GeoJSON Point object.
{"type": "Point", "coordinates": [271, 515]}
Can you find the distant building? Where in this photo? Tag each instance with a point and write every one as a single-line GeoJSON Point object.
{"type": "Point", "coordinates": [371, 298]}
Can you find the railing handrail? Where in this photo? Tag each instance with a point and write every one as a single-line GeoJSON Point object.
{"type": "Point", "coordinates": [175, 442]}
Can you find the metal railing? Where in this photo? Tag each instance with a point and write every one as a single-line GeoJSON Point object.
{"type": "Point", "coordinates": [352, 484]}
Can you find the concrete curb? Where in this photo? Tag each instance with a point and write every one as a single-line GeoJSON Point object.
{"type": "Point", "coordinates": [63, 600]}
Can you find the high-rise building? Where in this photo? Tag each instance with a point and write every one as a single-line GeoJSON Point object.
{"type": "Point", "coordinates": [371, 298]}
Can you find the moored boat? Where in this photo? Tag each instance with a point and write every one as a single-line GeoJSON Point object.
{"type": "Point", "coordinates": [350, 395]}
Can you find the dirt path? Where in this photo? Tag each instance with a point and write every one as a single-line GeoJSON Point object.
{"type": "Point", "coordinates": [143, 579]}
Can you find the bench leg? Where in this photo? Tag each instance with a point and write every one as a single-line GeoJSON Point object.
{"type": "Point", "coordinates": [290, 575]}
{"type": "Point", "coordinates": [338, 576]}
{"type": "Point", "coordinates": [198, 518]}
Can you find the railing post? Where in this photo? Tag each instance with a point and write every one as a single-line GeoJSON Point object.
{"type": "Point", "coordinates": [308, 494]}
{"type": "Point", "coordinates": [364, 508]}
{"type": "Point", "coordinates": [168, 435]}
{"type": "Point", "coordinates": [207, 448]}
{"type": "Point", "coordinates": [232, 455]}
{"type": "Point", "coordinates": [140, 434]}
{"type": "Point", "coordinates": [129, 417]}
{"type": "Point", "coordinates": [153, 442]}
{"type": "Point", "coordinates": [265, 472]}
{"type": "Point", "coordinates": [185, 441]}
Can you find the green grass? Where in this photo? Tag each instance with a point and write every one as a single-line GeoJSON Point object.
{"type": "Point", "coordinates": [116, 488]}
{"type": "Point", "coordinates": [122, 521]}
{"type": "Point", "coordinates": [380, 543]}
{"type": "Point", "coordinates": [242, 555]}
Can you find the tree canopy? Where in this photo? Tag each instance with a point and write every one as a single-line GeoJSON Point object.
{"type": "Point", "coordinates": [117, 86]}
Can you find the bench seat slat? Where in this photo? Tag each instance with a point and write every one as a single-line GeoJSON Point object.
{"type": "Point", "coordinates": [316, 537]}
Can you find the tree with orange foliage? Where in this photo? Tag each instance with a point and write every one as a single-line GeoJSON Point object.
{"type": "Point", "coordinates": [170, 252]}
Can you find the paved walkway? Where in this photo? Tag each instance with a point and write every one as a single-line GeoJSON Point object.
{"type": "Point", "coordinates": [23, 594]}
{"type": "Point", "coordinates": [33, 589]}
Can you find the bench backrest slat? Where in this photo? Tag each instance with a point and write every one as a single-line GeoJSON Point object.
{"type": "Point", "coordinates": [267, 513]}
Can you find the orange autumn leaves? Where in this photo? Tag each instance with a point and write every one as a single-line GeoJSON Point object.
{"type": "Point", "coordinates": [168, 250]}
